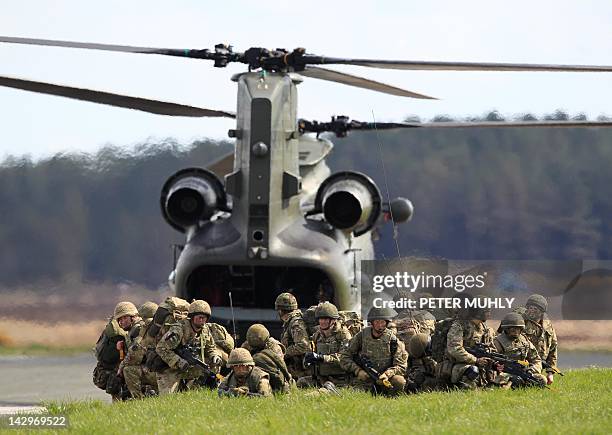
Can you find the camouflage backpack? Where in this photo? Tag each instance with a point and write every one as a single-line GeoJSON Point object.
{"type": "Point", "coordinates": [438, 339]}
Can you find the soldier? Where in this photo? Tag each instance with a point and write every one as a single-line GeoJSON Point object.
{"type": "Point", "coordinates": [268, 355]}
{"type": "Point", "coordinates": [464, 369]}
{"type": "Point", "coordinates": [411, 322]}
{"type": "Point", "coordinates": [245, 379]}
{"type": "Point", "coordinates": [193, 332]}
{"type": "Point", "coordinates": [329, 339]}
{"type": "Point", "coordinates": [513, 344]}
{"type": "Point", "coordinates": [224, 342]}
{"type": "Point", "coordinates": [294, 335]}
{"type": "Point", "coordinates": [540, 332]}
{"type": "Point", "coordinates": [384, 351]}
{"type": "Point", "coordinates": [140, 381]}
{"type": "Point", "coordinates": [110, 350]}
{"type": "Point", "coordinates": [422, 368]}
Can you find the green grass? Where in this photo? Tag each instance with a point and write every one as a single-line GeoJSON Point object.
{"type": "Point", "coordinates": [42, 350]}
{"type": "Point", "coordinates": [581, 402]}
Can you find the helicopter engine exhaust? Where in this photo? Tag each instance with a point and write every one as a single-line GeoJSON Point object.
{"type": "Point", "coordinates": [349, 201]}
{"type": "Point", "coordinates": [190, 196]}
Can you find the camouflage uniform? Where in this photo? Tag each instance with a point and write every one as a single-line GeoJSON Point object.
{"type": "Point", "coordinates": [135, 373]}
{"type": "Point", "coordinates": [462, 334]}
{"type": "Point", "coordinates": [255, 383]}
{"type": "Point", "coordinates": [379, 351]}
{"type": "Point", "coordinates": [518, 349]}
{"type": "Point", "coordinates": [182, 334]}
{"type": "Point", "coordinates": [105, 375]}
{"type": "Point", "coordinates": [223, 340]}
{"type": "Point", "coordinates": [294, 335]}
{"type": "Point", "coordinates": [268, 355]}
{"type": "Point", "coordinates": [412, 322]}
{"type": "Point", "coordinates": [422, 368]}
{"type": "Point", "coordinates": [329, 348]}
{"type": "Point", "coordinates": [543, 336]}
{"type": "Point", "coordinates": [107, 354]}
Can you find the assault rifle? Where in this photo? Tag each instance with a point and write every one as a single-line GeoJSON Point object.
{"type": "Point", "coordinates": [209, 378]}
{"type": "Point", "coordinates": [513, 367]}
{"type": "Point", "coordinates": [367, 366]}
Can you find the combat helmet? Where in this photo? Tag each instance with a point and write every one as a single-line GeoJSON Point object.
{"type": "Point", "coordinates": [510, 320]}
{"type": "Point", "coordinates": [147, 310]}
{"type": "Point", "coordinates": [125, 308]}
{"type": "Point", "coordinates": [326, 310]}
{"type": "Point", "coordinates": [381, 314]}
{"type": "Point", "coordinates": [539, 301]}
{"type": "Point", "coordinates": [257, 335]}
{"type": "Point", "coordinates": [199, 307]}
{"type": "Point", "coordinates": [418, 345]}
{"type": "Point", "coordinates": [286, 302]}
{"type": "Point", "coordinates": [240, 356]}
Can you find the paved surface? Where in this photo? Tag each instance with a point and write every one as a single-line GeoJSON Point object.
{"type": "Point", "coordinates": [30, 380]}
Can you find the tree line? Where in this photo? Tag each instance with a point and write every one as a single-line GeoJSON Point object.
{"type": "Point", "coordinates": [489, 193]}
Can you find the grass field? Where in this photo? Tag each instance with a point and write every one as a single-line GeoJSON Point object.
{"type": "Point", "coordinates": [581, 402]}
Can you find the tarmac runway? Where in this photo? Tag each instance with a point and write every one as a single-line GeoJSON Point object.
{"type": "Point", "coordinates": [25, 381]}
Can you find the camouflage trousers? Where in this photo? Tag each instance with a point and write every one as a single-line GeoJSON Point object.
{"type": "Point", "coordinates": [168, 381]}
{"type": "Point", "coordinates": [458, 377]}
{"type": "Point", "coordinates": [398, 383]}
{"type": "Point", "coordinates": [420, 382]}
{"type": "Point", "coordinates": [136, 377]}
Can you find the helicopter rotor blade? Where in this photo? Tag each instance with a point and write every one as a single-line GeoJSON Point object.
{"type": "Point", "coordinates": [359, 82]}
{"type": "Point", "coordinates": [341, 125]}
{"type": "Point", "coordinates": [417, 65]}
{"type": "Point", "coordinates": [199, 54]}
{"type": "Point", "coordinates": [100, 97]}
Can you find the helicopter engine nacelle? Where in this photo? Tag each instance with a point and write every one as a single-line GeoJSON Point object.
{"type": "Point", "coordinates": [350, 201]}
{"type": "Point", "coordinates": [192, 195]}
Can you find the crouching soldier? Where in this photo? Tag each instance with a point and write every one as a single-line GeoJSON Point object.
{"type": "Point", "coordinates": [464, 369]}
{"type": "Point", "coordinates": [375, 356]}
{"type": "Point", "coordinates": [245, 379]}
{"type": "Point", "coordinates": [268, 355]}
{"type": "Point", "coordinates": [294, 335]}
{"type": "Point", "coordinates": [512, 344]}
{"type": "Point", "coordinates": [193, 333]}
{"type": "Point", "coordinates": [110, 350]}
{"type": "Point", "coordinates": [540, 332]}
{"type": "Point", "coordinates": [140, 381]}
{"type": "Point", "coordinates": [224, 342]}
{"type": "Point", "coordinates": [324, 359]}
{"type": "Point", "coordinates": [422, 368]}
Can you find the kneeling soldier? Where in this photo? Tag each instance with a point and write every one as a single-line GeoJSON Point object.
{"type": "Point", "coordinates": [375, 352]}
{"type": "Point", "coordinates": [422, 368]}
{"type": "Point", "coordinates": [513, 344]}
{"type": "Point", "coordinates": [328, 341]}
{"type": "Point", "coordinates": [191, 332]}
{"type": "Point", "coordinates": [268, 355]}
{"type": "Point", "coordinates": [245, 379]}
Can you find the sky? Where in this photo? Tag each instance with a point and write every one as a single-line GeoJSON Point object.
{"type": "Point", "coordinates": [568, 32]}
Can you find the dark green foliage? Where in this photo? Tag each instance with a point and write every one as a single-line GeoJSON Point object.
{"type": "Point", "coordinates": [478, 194]}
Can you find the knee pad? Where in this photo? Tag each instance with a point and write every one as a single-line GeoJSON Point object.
{"type": "Point", "coordinates": [471, 373]}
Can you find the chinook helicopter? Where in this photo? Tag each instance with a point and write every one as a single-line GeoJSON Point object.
{"type": "Point", "coordinates": [271, 216]}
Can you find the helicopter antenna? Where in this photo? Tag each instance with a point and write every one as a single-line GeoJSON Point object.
{"type": "Point", "coordinates": [233, 318]}
{"type": "Point", "coordinates": [384, 171]}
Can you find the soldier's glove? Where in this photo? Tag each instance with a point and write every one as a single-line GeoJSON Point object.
{"type": "Point", "coordinates": [382, 379]}
{"type": "Point", "coordinates": [216, 360]}
{"type": "Point", "coordinates": [313, 358]}
{"type": "Point", "coordinates": [182, 365]}
{"type": "Point", "coordinates": [483, 361]}
{"type": "Point", "coordinates": [240, 391]}
{"type": "Point", "coordinates": [362, 375]}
